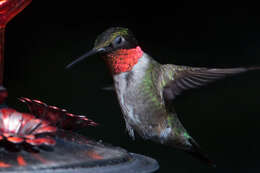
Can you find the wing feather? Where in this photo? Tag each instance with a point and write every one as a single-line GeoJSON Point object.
{"type": "Point", "coordinates": [188, 77]}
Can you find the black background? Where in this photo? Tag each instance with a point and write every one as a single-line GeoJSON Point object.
{"type": "Point", "coordinates": [223, 117]}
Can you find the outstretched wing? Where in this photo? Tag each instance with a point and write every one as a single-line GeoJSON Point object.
{"type": "Point", "coordinates": [56, 116]}
{"type": "Point", "coordinates": [183, 78]}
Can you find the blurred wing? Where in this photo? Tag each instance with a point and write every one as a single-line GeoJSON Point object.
{"type": "Point", "coordinates": [186, 78]}
{"type": "Point", "coordinates": [57, 116]}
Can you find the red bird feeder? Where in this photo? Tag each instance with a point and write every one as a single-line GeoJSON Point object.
{"type": "Point", "coordinates": [43, 141]}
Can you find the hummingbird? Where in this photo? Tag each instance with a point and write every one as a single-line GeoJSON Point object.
{"type": "Point", "coordinates": [146, 89]}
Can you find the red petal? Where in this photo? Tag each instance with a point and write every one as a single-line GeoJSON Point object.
{"type": "Point", "coordinates": [36, 107]}
{"type": "Point", "coordinates": [40, 141]}
{"type": "Point", "coordinates": [6, 135]}
{"type": "Point", "coordinates": [24, 99]}
{"type": "Point", "coordinates": [94, 155]}
{"type": "Point", "coordinates": [5, 115]}
{"type": "Point", "coordinates": [54, 107]}
{"type": "Point", "coordinates": [1, 137]}
{"type": "Point", "coordinates": [39, 102]}
{"type": "Point", "coordinates": [27, 116]}
{"type": "Point", "coordinates": [26, 119]}
{"type": "Point", "coordinates": [21, 161]}
{"type": "Point", "coordinates": [7, 111]}
{"type": "Point", "coordinates": [46, 129]}
{"type": "Point", "coordinates": [15, 122]}
{"type": "Point", "coordinates": [28, 126]}
{"type": "Point", "coordinates": [73, 121]}
{"type": "Point", "coordinates": [30, 136]}
{"type": "Point", "coordinates": [4, 165]}
{"type": "Point", "coordinates": [57, 116]}
{"type": "Point", "coordinates": [15, 139]}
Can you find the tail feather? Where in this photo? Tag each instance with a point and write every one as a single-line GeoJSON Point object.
{"type": "Point", "coordinates": [196, 152]}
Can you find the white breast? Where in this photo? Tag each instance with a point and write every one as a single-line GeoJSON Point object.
{"type": "Point", "coordinates": [128, 81]}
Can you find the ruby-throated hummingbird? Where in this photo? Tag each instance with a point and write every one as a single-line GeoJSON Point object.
{"type": "Point", "coordinates": [146, 89]}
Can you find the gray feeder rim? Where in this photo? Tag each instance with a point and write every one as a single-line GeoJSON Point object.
{"type": "Point", "coordinates": [138, 164]}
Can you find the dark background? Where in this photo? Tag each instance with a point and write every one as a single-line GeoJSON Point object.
{"type": "Point", "coordinates": [223, 117]}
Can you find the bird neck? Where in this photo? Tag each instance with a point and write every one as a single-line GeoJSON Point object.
{"type": "Point", "coordinates": [123, 60]}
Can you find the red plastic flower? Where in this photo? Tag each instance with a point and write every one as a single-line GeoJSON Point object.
{"type": "Point", "coordinates": [56, 116]}
{"type": "Point", "coordinates": [17, 128]}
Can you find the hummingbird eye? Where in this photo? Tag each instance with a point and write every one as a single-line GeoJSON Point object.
{"type": "Point", "coordinates": [118, 40]}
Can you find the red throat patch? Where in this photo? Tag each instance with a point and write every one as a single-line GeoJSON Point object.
{"type": "Point", "coordinates": [123, 60]}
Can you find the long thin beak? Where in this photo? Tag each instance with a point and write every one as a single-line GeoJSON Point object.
{"type": "Point", "coordinates": [90, 53]}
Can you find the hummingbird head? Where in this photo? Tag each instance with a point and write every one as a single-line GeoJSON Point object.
{"type": "Point", "coordinates": [118, 47]}
{"type": "Point", "coordinates": [115, 38]}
